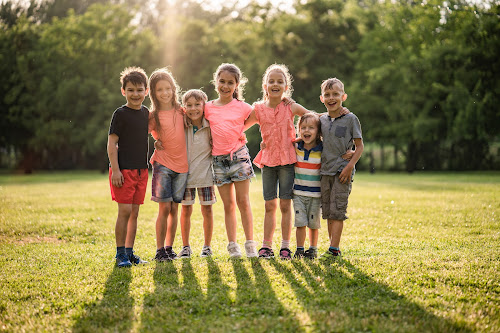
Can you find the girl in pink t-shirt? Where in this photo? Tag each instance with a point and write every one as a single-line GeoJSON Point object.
{"type": "Point", "coordinates": [276, 119]}
{"type": "Point", "coordinates": [231, 159]}
{"type": "Point", "coordinates": [170, 164]}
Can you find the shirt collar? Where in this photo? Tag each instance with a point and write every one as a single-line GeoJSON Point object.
{"type": "Point", "coordinates": [318, 147]}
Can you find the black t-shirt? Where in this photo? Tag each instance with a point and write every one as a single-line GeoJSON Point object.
{"type": "Point", "coordinates": [131, 127]}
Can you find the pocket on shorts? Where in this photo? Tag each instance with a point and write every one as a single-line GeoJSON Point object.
{"type": "Point", "coordinates": [340, 131]}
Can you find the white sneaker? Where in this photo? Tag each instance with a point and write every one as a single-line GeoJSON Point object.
{"type": "Point", "coordinates": [185, 252]}
{"type": "Point", "coordinates": [206, 251]}
{"type": "Point", "coordinates": [250, 249]}
{"type": "Point", "coordinates": [234, 250]}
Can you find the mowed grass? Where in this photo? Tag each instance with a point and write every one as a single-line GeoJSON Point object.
{"type": "Point", "coordinates": [421, 254]}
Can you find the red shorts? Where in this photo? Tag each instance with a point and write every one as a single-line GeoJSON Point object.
{"type": "Point", "coordinates": [133, 189]}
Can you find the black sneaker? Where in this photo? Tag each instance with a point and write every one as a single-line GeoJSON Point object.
{"type": "Point", "coordinates": [299, 254]}
{"type": "Point", "coordinates": [171, 254]}
{"type": "Point", "coordinates": [161, 256]}
{"type": "Point", "coordinates": [122, 260]}
{"type": "Point", "coordinates": [266, 253]}
{"type": "Point", "coordinates": [134, 259]}
{"type": "Point", "coordinates": [311, 254]}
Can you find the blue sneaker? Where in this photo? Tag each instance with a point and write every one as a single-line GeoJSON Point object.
{"type": "Point", "coordinates": [122, 260]}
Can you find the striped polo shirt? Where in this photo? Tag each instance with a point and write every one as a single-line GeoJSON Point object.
{"type": "Point", "coordinates": [307, 178]}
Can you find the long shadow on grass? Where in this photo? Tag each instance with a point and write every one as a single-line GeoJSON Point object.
{"type": "Point", "coordinates": [257, 308]}
{"type": "Point", "coordinates": [114, 311]}
{"type": "Point", "coordinates": [340, 297]}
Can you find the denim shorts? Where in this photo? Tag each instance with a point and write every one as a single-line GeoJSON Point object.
{"type": "Point", "coordinates": [228, 170]}
{"type": "Point", "coordinates": [279, 176]}
{"type": "Point", "coordinates": [167, 185]}
{"type": "Point", "coordinates": [334, 197]}
{"type": "Point", "coordinates": [307, 212]}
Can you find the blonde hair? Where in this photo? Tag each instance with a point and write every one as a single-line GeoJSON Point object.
{"type": "Point", "coordinates": [240, 79]}
{"type": "Point", "coordinates": [329, 83]}
{"type": "Point", "coordinates": [315, 118]}
{"type": "Point", "coordinates": [283, 69]}
{"type": "Point", "coordinates": [157, 76]}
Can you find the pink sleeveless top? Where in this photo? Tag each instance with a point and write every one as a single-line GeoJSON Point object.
{"type": "Point", "coordinates": [278, 133]}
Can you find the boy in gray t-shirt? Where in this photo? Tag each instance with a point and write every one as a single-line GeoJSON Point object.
{"type": "Point", "coordinates": [340, 133]}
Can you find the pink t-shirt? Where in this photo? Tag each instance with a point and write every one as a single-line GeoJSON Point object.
{"type": "Point", "coordinates": [278, 133]}
{"type": "Point", "coordinates": [227, 123]}
{"type": "Point", "coordinates": [173, 139]}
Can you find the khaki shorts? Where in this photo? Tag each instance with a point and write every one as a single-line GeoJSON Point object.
{"type": "Point", "coordinates": [334, 197]}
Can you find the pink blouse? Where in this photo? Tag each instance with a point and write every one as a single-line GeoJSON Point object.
{"type": "Point", "coordinates": [278, 134]}
{"type": "Point", "coordinates": [227, 123]}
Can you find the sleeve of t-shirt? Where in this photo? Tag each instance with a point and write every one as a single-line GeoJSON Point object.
{"type": "Point", "coordinates": [247, 109]}
{"type": "Point", "coordinates": [356, 128]}
{"type": "Point", "coordinates": [115, 125]}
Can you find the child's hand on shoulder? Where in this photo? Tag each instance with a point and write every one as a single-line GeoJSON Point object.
{"type": "Point", "coordinates": [344, 111]}
{"type": "Point", "coordinates": [287, 100]}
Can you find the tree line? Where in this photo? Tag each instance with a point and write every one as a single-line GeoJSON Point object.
{"type": "Point", "coordinates": [422, 76]}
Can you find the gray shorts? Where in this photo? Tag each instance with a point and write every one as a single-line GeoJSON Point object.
{"type": "Point", "coordinates": [307, 211]}
{"type": "Point", "coordinates": [334, 197]}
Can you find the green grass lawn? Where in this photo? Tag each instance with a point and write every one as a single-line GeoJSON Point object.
{"type": "Point", "coordinates": [421, 254]}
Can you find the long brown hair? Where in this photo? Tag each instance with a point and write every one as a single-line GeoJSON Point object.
{"type": "Point", "coordinates": [157, 76]}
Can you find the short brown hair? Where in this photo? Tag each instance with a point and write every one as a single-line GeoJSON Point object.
{"type": "Point", "coordinates": [198, 95]}
{"type": "Point", "coordinates": [329, 83]}
{"type": "Point", "coordinates": [134, 75]}
{"type": "Point", "coordinates": [315, 118]}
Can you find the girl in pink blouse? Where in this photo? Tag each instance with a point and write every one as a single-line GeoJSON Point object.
{"type": "Point", "coordinates": [276, 119]}
{"type": "Point", "coordinates": [231, 159]}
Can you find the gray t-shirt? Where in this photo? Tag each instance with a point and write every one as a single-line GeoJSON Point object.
{"type": "Point", "coordinates": [338, 137]}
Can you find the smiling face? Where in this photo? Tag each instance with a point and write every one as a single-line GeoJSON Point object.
{"type": "Point", "coordinates": [164, 94]}
{"type": "Point", "coordinates": [194, 109]}
{"type": "Point", "coordinates": [308, 131]}
{"type": "Point", "coordinates": [226, 85]}
{"type": "Point", "coordinates": [134, 94]}
{"type": "Point", "coordinates": [275, 84]}
{"type": "Point", "coordinates": [333, 97]}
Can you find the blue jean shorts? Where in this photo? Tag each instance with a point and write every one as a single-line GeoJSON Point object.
{"type": "Point", "coordinates": [167, 185]}
{"type": "Point", "coordinates": [228, 170]}
{"type": "Point", "coordinates": [279, 176]}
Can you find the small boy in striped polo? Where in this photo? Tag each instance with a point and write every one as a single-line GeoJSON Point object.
{"type": "Point", "coordinates": [307, 185]}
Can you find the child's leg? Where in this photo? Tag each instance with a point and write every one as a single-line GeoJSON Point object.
{"type": "Point", "coordinates": [286, 175]}
{"type": "Point", "coordinates": [161, 223]}
{"type": "Point", "coordinates": [300, 233]}
{"type": "Point", "coordinates": [124, 212]}
{"type": "Point", "coordinates": [132, 226]}
{"type": "Point", "coordinates": [313, 237]}
{"type": "Point", "coordinates": [208, 223]}
{"type": "Point", "coordinates": [227, 196]}
{"type": "Point", "coordinates": [269, 221]}
{"type": "Point", "coordinates": [186, 212]}
{"type": "Point", "coordinates": [242, 189]}
{"type": "Point", "coordinates": [286, 219]}
{"type": "Point", "coordinates": [172, 224]}
{"type": "Point", "coordinates": [335, 228]}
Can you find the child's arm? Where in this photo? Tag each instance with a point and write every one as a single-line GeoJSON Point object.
{"type": "Point", "coordinates": [116, 175]}
{"type": "Point", "coordinates": [299, 110]}
{"type": "Point", "coordinates": [345, 175]}
{"type": "Point", "coordinates": [250, 121]}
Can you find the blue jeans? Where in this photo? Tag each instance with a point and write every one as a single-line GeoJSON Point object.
{"type": "Point", "coordinates": [279, 176]}
{"type": "Point", "coordinates": [167, 185]}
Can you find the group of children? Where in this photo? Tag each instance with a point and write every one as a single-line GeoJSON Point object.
{"type": "Point", "coordinates": [200, 143]}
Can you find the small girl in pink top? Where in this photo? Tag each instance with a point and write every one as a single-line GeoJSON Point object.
{"type": "Point", "coordinates": [276, 119]}
{"type": "Point", "coordinates": [170, 164]}
{"type": "Point", "coordinates": [231, 159]}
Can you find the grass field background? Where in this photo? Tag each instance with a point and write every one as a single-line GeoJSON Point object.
{"type": "Point", "coordinates": [421, 254]}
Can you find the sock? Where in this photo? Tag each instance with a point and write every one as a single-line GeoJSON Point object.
{"type": "Point", "coordinates": [120, 250]}
{"type": "Point", "coordinates": [267, 244]}
{"type": "Point", "coordinates": [129, 251]}
{"type": "Point", "coordinates": [313, 248]}
{"type": "Point", "coordinates": [334, 249]}
{"type": "Point", "coordinates": [285, 244]}
{"type": "Point", "coordinates": [300, 248]}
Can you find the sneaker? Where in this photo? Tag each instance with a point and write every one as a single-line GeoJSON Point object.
{"type": "Point", "coordinates": [122, 260]}
{"type": "Point", "coordinates": [206, 252]}
{"type": "Point", "coordinates": [285, 254]}
{"type": "Point", "coordinates": [328, 255]}
{"type": "Point", "coordinates": [299, 254]}
{"type": "Point", "coordinates": [134, 259]}
{"type": "Point", "coordinates": [161, 256]}
{"type": "Point", "coordinates": [266, 253]}
{"type": "Point", "coordinates": [185, 252]}
{"type": "Point", "coordinates": [171, 254]}
{"type": "Point", "coordinates": [234, 250]}
{"type": "Point", "coordinates": [311, 254]}
{"type": "Point", "coordinates": [250, 249]}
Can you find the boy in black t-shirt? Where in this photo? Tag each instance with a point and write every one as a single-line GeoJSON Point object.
{"type": "Point", "coordinates": [128, 158]}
